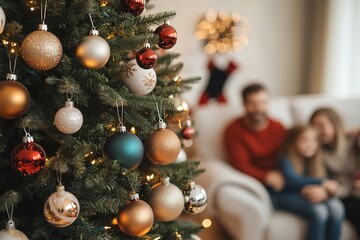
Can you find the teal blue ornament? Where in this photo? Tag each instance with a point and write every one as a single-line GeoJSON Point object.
{"type": "Point", "coordinates": [124, 147]}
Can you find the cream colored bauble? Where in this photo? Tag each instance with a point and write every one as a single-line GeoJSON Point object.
{"type": "Point", "coordinates": [93, 52]}
{"type": "Point", "coordinates": [10, 233]}
{"type": "Point", "coordinates": [166, 200]}
{"type": "Point", "coordinates": [62, 208]}
{"type": "Point", "coordinates": [2, 20]}
{"type": "Point", "coordinates": [182, 157]}
{"type": "Point", "coordinates": [68, 119]}
{"type": "Point", "coordinates": [41, 50]}
{"type": "Point", "coordinates": [139, 80]}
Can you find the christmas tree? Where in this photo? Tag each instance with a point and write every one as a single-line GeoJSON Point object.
{"type": "Point", "coordinates": [80, 157]}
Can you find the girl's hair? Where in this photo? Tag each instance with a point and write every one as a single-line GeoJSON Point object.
{"type": "Point", "coordinates": [316, 166]}
{"type": "Point", "coordinates": [337, 123]}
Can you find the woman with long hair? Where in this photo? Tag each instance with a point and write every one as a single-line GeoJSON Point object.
{"type": "Point", "coordinates": [342, 160]}
{"type": "Point", "coordinates": [301, 164]}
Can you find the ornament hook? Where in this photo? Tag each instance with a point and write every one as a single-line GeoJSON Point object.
{"type": "Point", "coordinates": [92, 22]}
{"type": "Point", "coordinates": [10, 212]}
{"type": "Point", "coordinates": [120, 117]}
{"type": "Point", "coordinates": [27, 132]}
{"type": "Point", "coordinates": [59, 177]}
{"type": "Point", "coordinates": [69, 96]}
{"type": "Point", "coordinates": [161, 120]}
{"type": "Point", "coordinates": [43, 11]}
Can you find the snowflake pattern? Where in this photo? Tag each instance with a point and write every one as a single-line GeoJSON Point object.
{"type": "Point", "coordinates": [149, 81]}
{"type": "Point", "coordinates": [130, 69]}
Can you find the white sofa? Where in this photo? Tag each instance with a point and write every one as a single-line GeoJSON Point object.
{"type": "Point", "coordinates": [240, 202]}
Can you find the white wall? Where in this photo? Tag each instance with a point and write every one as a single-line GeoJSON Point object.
{"type": "Point", "coordinates": [273, 56]}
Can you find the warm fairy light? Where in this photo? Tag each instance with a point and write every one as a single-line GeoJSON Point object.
{"type": "Point", "coordinates": [5, 42]}
{"type": "Point", "coordinates": [177, 79]}
{"type": "Point", "coordinates": [107, 227]}
{"type": "Point", "coordinates": [114, 221]}
{"type": "Point", "coordinates": [150, 177]}
{"type": "Point", "coordinates": [223, 32]}
{"type": "Point", "coordinates": [113, 129]}
{"type": "Point", "coordinates": [103, 3]}
{"type": "Point", "coordinates": [133, 130]}
{"type": "Point", "coordinates": [111, 36]}
{"type": "Point", "coordinates": [206, 223]}
{"type": "Point", "coordinates": [157, 238]}
{"type": "Point", "coordinates": [88, 154]}
{"type": "Point", "coordinates": [93, 162]}
{"type": "Point", "coordinates": [32, 8]}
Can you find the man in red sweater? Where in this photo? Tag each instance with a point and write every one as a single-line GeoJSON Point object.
{"type": "Point", "coordinates": [253, 141]}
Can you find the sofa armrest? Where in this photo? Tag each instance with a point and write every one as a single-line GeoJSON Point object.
{"type": "Point", "coordinates": [219, 174]}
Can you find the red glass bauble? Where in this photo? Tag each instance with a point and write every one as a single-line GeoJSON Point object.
{"type": "Point", "coordinates": [188, 132]}
{"type": "Point", "coordinates": [146, 58]}
{"type": "Point", "coordinates": [135, 7]}
{"type": "Point", "coordinates": [167, 36]}
{"type": "Point", "coordinates": [28, 157]}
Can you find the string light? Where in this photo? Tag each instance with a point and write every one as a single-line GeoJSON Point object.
{"type": "Point", "coordinates": [133, 130]}
{"type": "Point", "coordinates": [32, 4]}
{"type": "Point", "coordinates": [206, 223]}
{"type": "Point", "coordinates": [107, 227]}
{"type": "Point", "coordinates": [150, 177]}
{"type": "Point", "coordinates": [223, 32]}
{"type": "Point", "coordinates": [103, 3]}
{"type": "Point", "coordinates": [113, 129]}
{"type": "Point", "coordinates": [88, 154]}
{"type": "Point", "coordinates": [114, 221]}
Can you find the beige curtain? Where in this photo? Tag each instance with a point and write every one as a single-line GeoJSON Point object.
{"type": "Point", "coordinates": [332, 65]}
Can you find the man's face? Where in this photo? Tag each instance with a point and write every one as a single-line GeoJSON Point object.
{"type": "Point", "coordinates": [256, 106]}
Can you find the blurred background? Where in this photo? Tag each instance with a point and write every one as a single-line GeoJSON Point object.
{"type": "Point", "coordinates": [293, 46]}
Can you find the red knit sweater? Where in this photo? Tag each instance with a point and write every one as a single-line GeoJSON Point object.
{"type": "Point", "coordinates": [254, 152]}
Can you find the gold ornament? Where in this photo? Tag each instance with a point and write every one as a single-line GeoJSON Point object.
{"type": "Point", "coordinates": [10, 233]}
{"type": "Point", "coordinates": [135, 218]}
{"type": "Point", "coordinates": [163, 146]}
{"type": "Point", "coordinates": [166, 200]}
{"type": "Point", "coordinates": [62, 208]}
{"type": "Point", "coordinates": [180, 111]}
{"type": "Point", "coordinates": [93, 51]}
{"type": "Point", "coordinates": [14, 98]}
{"type": "Point", "coordinates": [41, 49]}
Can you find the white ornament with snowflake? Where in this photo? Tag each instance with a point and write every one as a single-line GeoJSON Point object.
{"type": "Point", "coordinates": [140, 81]}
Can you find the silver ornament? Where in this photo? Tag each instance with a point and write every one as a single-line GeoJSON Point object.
{"type": "Point", "coordinates": [195, 198]}
{"type": "Point", "coordinates": [10, 233]}
{"type": "Point", "coordinates": [68, 119]}
{"type": "Point", "coordinates": [62, 208]}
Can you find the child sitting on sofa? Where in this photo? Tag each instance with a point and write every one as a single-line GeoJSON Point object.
{"type": "Point", "coordinates": [302, 166]}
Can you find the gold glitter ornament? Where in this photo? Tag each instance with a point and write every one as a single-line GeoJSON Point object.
{"type": "Point", "coordinates": [163, 146]}
{"type": "Point", "coordinates": [42, 50]}
{"type": "Point", "coordinates": [93, 52]}
{"type": "Point", "coordinates": [166, 200]}
{"type": "Point", "coordinates": [62, 208]}
{"type": "Point", "coordinates": [136, 217]}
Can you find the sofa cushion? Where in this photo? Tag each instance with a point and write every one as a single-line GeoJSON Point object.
{"type": "Point", "coordinates": [303, 106]}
